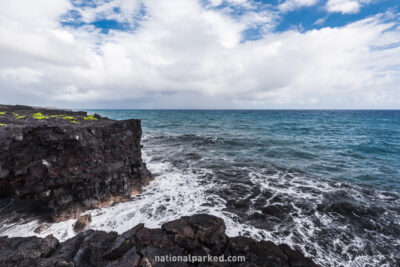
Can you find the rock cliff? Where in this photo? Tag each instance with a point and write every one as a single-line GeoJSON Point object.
{"type": "Point", "coordinates": [197, 240]}
{"type": "Point", "coordinates": [67, 162]}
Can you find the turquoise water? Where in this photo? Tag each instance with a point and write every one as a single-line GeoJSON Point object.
{"type": "Point", "coordinates": [326, 182]}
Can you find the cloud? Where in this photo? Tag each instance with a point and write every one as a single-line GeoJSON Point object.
{"type": "Point", "coordinates": [290, 5]}
{"type": "Point", "coordinates": [184, 54]}
{"type": "Point", "coordinates": [119, 10]}
{"type": "Point", "coordinates": [320, 21]}
{"type": "Point", "coordinates": [345, 6]}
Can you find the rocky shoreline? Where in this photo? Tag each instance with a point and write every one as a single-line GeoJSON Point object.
{"type": "Point", "coordinates": [198, 240]}
{"type": "Point", "coordinates": [63, 162]}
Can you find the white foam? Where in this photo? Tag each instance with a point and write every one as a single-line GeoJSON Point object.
{"type": "Point", "coordinates": [171, 195]}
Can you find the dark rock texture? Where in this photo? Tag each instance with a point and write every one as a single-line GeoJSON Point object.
{"type": "Point", "coordinates": [199, 235]}
{"type": "Point", "coordinates": [67, 162]}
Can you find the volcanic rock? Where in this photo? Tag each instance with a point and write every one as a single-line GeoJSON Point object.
{"type": "Point", "coordinates": [67, 162]}
{"type": "Point", "coordinates": [200, 239]}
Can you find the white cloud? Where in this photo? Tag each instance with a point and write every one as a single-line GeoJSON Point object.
{"type": "Point", "coordinates": [25, 13]}
{"type": "Point", "coordinates": [21, 75]}
{"type": "Point", "coordinates": [127, 10]}
{"type": "Point", "coordinates": [290, 5]}
{"type": "Point", "coordinates": [345, 6]}
{"type": "Point", "coordinates": [185, 55]}
{"type": "Point", "coordinates": [320, 21]}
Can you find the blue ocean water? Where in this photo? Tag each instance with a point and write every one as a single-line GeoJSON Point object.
{"type": "Point", "coordinates": [325, 182]}
{"type": "Point", "coordinates": [358, 147]}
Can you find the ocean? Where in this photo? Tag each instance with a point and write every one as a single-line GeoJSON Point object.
{"type": "Point", "coordinates": [325, 182]}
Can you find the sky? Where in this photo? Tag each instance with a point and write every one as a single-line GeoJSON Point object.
{"type": "Point", "coordinates": [201, 54]}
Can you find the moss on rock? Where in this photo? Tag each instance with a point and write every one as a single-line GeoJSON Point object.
{"type": "Point", "coordinates": [90, 118]}
{"type": "Point", "coordinates": [59, 115]}
{"type": "Point", "coordinates": [68, 118]}
{"type": "Point", "coordinates": [39, 116]}
{"type": "Point", "coordinates": [19, 116]}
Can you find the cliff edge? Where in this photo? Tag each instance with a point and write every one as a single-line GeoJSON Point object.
{"type": "Point", "coordinates": [67, 162]}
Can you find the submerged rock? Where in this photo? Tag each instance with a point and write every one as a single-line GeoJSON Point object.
{"type": "Point", "coordinates": [67, 162]}
{"type": "Point", "coordinates": [198, 240]}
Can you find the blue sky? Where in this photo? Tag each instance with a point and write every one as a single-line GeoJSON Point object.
{"type": "Point", "coordinates": [201, 53]}
{"type": "Point", "coordinates": [303, 17]}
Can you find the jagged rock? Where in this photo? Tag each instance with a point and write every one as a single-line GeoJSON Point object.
{"type": "Point", "coordinates": [19, 251]}
{"type": "Point", "coordinates": [295, 257]}
{"type": "Point", "coordinates": [128, 259]}
{"type": "Point", "coordinates": [199, 232]}
{"type": "Point", "coordinates": [67, 161]}
{"type": "Point", "coordinates": [259, 252]}
{"type": "Point", "coordinates": [123, 243]}
{"type": "Point", "coordinates": [194, 236]}
{"type": "Point", "coordinates": [93, 247]}
{"type": "Point", "coordinates": [82, 222]}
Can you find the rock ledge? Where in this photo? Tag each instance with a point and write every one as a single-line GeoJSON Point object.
{"type": "Point", "coordinates": [199, 238]}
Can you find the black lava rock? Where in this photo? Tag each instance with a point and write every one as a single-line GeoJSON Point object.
{"type": "Point", "coordinates": [191, 237]}
{"type": "Point", "coordinates": [66, 161]}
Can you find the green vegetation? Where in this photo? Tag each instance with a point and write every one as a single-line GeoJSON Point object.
{"type": "Point", "coordinates": [1, 124]}
{"type": "Point", "coordinates": [18, 116]}
{"type": "Point", "coordinates": [70, 118]}
{"type": "Point", "coordinates": [39, 116]}
{"type": "Point", "coordinates": [90, 118]}
{"type": "Point", "coordinates": [2, 113]}
{"type": "Point", "coordinates": [59, 115]}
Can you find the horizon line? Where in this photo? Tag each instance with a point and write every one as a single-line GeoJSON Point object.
{"type": "Point", "coordinates": [244, 109]}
